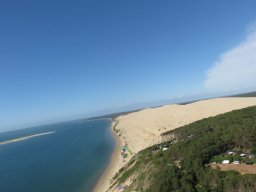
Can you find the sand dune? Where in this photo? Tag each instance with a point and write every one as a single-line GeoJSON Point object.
{"type": "Point", "coordinates": [143, 128]}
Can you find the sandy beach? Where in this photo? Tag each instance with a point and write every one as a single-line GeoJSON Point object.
{"type": "Point", "coordinates": [143, 128]}
{"type": "Point", "coordinates": [114, 165]}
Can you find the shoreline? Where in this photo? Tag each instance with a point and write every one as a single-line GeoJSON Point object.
{"type": "Point", "coordinates": [104, 182]}
{"type": "Point", "coordinates": [143, 128]}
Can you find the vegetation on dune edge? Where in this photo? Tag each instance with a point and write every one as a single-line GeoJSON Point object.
{"type": "Point", "coordinates": [184, 165]}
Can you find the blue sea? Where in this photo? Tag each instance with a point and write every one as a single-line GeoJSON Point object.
{"type": "Point", "coordinates": [69, 159]}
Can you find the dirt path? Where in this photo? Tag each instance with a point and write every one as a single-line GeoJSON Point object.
{"type": "Point", "coordinates": [241, 168]}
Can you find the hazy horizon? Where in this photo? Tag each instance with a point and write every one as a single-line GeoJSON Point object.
{"type": "Point", "coordinates": [133, 107]}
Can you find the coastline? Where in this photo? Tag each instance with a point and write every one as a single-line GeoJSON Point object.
{"type": "Point", "coordinates": [113, 167]}
{"type": "Point", "coordinates": [143, 128]}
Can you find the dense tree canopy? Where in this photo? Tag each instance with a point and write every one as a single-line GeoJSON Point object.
{"type": "Point", "coordinates": [184, 166]}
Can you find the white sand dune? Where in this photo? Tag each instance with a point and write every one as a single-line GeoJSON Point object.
{"type": "Point", "coordinates": [143, 128]}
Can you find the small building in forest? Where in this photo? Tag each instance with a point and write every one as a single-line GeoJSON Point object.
{"type": "Point", "coordinates": [225, 162]}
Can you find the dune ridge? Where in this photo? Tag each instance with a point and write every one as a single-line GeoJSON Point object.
{"type": "Point", "coordinates": [144, 128]}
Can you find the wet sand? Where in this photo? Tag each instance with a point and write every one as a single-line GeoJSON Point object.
{"type": "Point", "coordinates": [114, 165]}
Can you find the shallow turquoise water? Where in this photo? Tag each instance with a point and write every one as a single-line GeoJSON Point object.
{"type": "Point", "coordinates": [71, 159]}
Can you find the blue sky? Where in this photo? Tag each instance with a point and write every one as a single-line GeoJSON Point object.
{"type": "Point", "coordinates": [63, 60]}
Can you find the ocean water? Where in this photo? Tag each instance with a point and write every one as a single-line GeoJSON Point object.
{"type": "Point", "coordinates": [70, 159]}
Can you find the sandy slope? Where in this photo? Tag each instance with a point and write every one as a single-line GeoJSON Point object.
{"type": "Point", "coordinates": [143, 128]}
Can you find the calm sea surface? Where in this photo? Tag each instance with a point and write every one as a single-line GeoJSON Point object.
{"type": "Point", "coordinates": [71, 159]}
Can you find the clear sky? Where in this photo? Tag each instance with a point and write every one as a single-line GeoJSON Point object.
{"type": "Point", "coordinates": [63, 60]}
